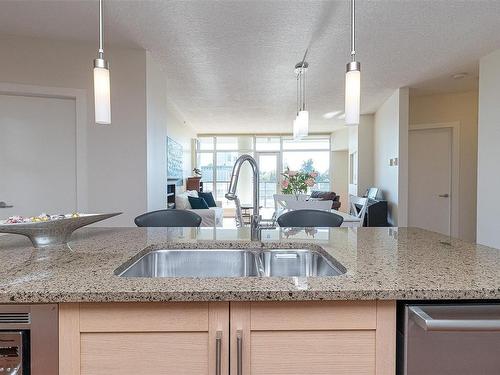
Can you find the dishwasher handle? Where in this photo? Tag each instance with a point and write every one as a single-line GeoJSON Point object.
{"type": "Point", "coordinates": [426, 322]}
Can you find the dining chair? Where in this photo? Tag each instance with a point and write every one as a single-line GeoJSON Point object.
{"type": "Point", "coordinates": [297, 202]}
{"type": "Point", "coordinates": [168, 218]}
{"type": "Point", "coordinates": [310, 218]}
{"type": "Point", "coordinates": [358, 207]}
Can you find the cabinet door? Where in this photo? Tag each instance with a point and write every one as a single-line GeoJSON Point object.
{"type": "Point", "coordinates": [314, 338]}
{"type": "Point", "coordinates": [150, 338]}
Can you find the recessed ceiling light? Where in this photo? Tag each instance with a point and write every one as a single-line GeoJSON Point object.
{"type": "Point", "coordinates": [459, 75]}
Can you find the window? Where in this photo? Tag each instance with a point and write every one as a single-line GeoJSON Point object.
{"type": "Point", "coordinates": [267, 144]}
{"type": "Point", "coordinates": [216, 156]}
{"type": "Point", "coordinates": [309, 161]}
{"type": "Point", "coordinates": [205, 143]}
{"type": "Point", "coordinates": [309, 143]}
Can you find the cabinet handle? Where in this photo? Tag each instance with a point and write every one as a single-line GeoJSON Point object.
{"type": "Point", "coordinates": [239, 352]}
{"type": "Point", "coordinates": [218, 352]}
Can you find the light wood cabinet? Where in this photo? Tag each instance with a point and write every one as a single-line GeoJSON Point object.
{"type": "Point", "coordinates": [145, 338]}
{"type": "Point", "coordinates": [315, 338]}
{"type": "Point", "coordinates": [261, 338]}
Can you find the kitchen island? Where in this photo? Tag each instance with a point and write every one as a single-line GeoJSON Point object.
{"type": "Point", "coordinates": [252, 325]}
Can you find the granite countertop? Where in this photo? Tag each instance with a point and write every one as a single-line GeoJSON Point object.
{"type": "Point", "coordinates": [382, 263]}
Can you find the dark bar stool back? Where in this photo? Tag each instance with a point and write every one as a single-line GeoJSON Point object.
{"type": "Point", "coordinates": [168, 218]}
{"type": "Point", "coordinates": [310, 218]}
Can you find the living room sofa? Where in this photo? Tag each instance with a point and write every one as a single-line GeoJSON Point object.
{"type": "Point", "coordinates": [327, 196]}
{"type": "Point", "coordinates": [211, 217]}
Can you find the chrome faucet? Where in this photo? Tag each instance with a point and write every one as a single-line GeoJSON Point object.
{"type": "Point", "coordinates": [255, 227]}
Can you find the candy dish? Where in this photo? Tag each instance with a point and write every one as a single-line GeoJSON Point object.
{"type": "Point", "coordinates": [55, 231]}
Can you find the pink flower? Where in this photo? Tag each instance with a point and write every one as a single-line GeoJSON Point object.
{"type": "Point", "coordinates": [292, 173]}
{"type": "Point", "coordinates": [284, 184]}
{"type": "Point", "coordinates": [310, 182]}
{"type": "Point", "coordinates": [313, 174]}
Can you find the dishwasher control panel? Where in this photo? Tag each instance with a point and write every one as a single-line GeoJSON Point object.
{"type": "Point", "coordinates": [11, 352]}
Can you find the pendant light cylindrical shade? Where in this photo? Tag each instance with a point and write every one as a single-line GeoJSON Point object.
{"type": "Point", "coordinates": [303, 124]}
{"type": "Point", "coordinates": [352, 94]}
{"type": "Point", "coordinates": [102, 88]}
{"type": "Point", "coordinates": [102, 96]}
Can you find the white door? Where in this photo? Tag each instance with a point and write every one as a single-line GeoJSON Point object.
{"type": "Point", "coordinates": [37, 155]}
{"type": "Point", "coordinates": [430, 173]}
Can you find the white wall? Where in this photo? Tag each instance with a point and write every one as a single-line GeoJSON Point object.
{"type": "Point", "coordinates": [116, 154]}
{"type": "Point", "coordinates": [391, 141]}
{"type": "Point", "coordinates": [488, 177]}
{"type": "Point", "coordinates": [163, 120]}
{"type": "Point", "coordinates": [180, 131]}
{"type": "Point", "coordinates": [156, 91]}
{"type": "Point", "coordinates": [462, 108]}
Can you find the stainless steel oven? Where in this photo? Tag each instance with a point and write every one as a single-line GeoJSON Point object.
{"type": "Point", "coordinates": [29, 340]}
{"type": "Point", "coordinates": [449, 339]}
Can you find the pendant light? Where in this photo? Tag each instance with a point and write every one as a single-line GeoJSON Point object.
{"type": "Point", "coordinates": [102, 93]}
{"type": "Point", "coordinates": [352, 79]}
{"type": "Point", "coordinates": [301, 123]}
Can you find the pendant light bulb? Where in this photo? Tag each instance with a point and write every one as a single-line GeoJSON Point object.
{"type": "Point", "coordinates": [353, 79]}
{"type": "Point", "coordinates": [102, 88]}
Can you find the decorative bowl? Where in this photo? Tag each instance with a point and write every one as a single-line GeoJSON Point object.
{"type": "Point", "coordinates": [53, 232]}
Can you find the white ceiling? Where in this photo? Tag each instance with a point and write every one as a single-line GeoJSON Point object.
{"type": "Point", "coordinates": [230, 63]}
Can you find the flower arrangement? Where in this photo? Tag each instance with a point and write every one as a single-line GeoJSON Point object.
{"type": "Point", "coordinates": [296, 182]}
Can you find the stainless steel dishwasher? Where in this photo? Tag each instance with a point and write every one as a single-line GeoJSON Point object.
{"type": "Point", "coordinates": [449, 339]}
{"type": "Point", "coordinates": [29, 340]}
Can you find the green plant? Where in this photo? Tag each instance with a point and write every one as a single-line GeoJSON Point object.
{"type": "Point", "coordinates": [296, 182]}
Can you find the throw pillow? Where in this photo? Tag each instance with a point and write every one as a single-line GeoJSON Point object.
{"type": "Point", "coordinates": [198, 203]}
{"type": "Point", "coordinates": [181, 201]}
{"type": "Point", "coordinates": [209, 198]}
{"type": "Point", "coordinates": [191, 193]}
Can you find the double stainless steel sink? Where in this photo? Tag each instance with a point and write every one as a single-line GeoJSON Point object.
{"type": "Point", "coordinates": [233, 263]}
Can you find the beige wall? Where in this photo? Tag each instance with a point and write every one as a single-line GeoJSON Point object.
{"type": "Point", "coordinates": [488, 178]}
{"type": "Point", "coordinates": [116, 154]}
{"type": "Point", "coordinates": [361, 143]}
{"type": "Point", "coordinates": [339, 174]}
{"type": "Point", "coordinates": [391, 141]}
{"type": "Point", "coordinates": [339, 166]}
{"type": "Point", "coordinates": [462, 108]}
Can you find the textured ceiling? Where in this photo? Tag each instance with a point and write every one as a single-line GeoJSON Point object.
{"type": "Point", "coordinates": [230, 63]}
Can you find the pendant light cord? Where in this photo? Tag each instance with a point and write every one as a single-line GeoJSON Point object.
{"type": "Point", "coordinates": [353, 30]}
{"type": "Point", "coordinates": [101, 49]}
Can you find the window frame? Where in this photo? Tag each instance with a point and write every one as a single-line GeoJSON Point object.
{"type": "Point", "coordinates": [256, 152]}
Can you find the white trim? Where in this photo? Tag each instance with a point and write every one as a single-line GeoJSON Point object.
{"type": "Point", "coordinates": [455, 169]}
{"type": "Point", "coordinates": [80, 97]}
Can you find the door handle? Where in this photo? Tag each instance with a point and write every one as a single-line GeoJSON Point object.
{"type": "Point", "coordinates": [444, 195]}
{"type": "Point", "coordinates": [239, 352]}
{"type": "Point", "coordinates": [426, 322]}
{"type": "Point", "coordinates": [5, 205]}
{"type": "Point", "coordinates": [218, 353]}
